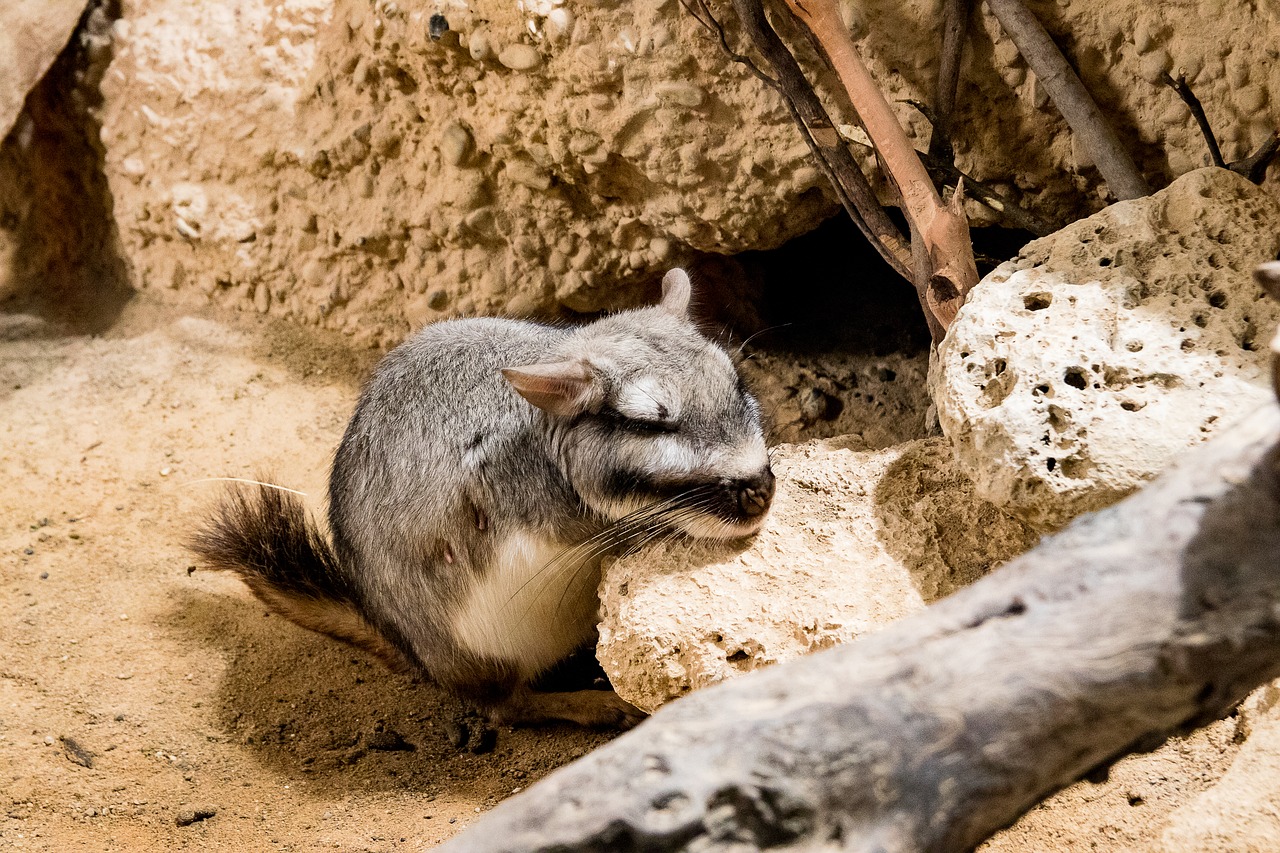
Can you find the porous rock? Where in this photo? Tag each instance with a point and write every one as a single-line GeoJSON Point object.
{"type": "Point", "coordinates": [304, 157]}
{"type": "Point", "coordinates": [855, 540]}
{"type": "Point", "coordinates": [1078, 370]}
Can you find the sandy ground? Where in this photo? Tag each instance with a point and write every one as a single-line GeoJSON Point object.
{"type": "Point", "coordinates": [133, 690]}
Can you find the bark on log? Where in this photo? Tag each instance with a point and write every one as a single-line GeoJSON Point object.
{"type": "Point", "coordinates": [1157, 614]}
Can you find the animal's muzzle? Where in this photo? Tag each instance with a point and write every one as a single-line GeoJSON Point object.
{"type": "Point", "coordinates": [753, 495]}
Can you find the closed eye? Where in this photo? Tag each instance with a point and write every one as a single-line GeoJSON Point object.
{"type": "Point", "coordinates": [637, 425]}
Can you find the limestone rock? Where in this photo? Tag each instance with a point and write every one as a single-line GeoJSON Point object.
{"type": "Point", "coordinates": [632, 145]}
{"type": "Point", "coordinates": [1079, 369]}
{"type": "Point", "coordinates": [32, 34]}
{"type": "Point", "coordinates": [855, 540]}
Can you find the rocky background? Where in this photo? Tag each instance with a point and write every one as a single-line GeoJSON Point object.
{"type": "Point", "coordinates": [369, 166]}
{"type": "Point", "coordinates": [362, 167]}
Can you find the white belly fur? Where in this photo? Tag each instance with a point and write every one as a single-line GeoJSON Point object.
{"type": "Point", "coordinates": [528, 609]}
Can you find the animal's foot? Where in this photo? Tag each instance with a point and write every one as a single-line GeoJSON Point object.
{"type": "Point", "coordinates": [602, 709]}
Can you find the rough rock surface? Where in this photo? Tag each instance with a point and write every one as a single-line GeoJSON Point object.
{"type": "Point", "coordinates": [57, 232]}
{"type": "Point", "coordinates": [855, 540]}
{"type": "Point", "coordinates": [1079, 369]}
{"type": "Point", "coordinates": [328, 161]}
{"type": "Point", "coordinates": [32, 34]}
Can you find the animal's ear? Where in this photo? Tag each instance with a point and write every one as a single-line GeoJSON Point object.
{"type": "Point", "coordinates": [564, 388]}
{"type": "Point", "coordinates": [676, 292]}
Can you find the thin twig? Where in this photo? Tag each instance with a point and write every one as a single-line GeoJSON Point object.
{"type": "Point", "coordinates": [851, 187]}
{"type": "Point", "coordinates": [945, 173]}
{"type": "Point", "coordinates": [1254, 167]}
{"type": "Point", "coordinates": [1197, 110]}
{"type": "Point", "coordinates": [955, 25]}
{"type": "Point", "coordinates": [1071, 98]}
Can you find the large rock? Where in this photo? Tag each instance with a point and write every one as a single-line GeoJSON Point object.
{"type": "Point", "coordinates": [32, 34]}
{"type": "Point", "coordinates": [328, 161]}
{"type": "Point", "coordinates": [855, 540]}
{"type": "Point", "coordinates": [1079, 369]}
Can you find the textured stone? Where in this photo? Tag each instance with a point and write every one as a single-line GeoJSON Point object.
{"type": "Point", "coordinates": [32, 34]}
{"type": "Point", "coordinates": [1081, 368]}
{"type": "Point", "coordinates": [855, 540]}
{"type": "Point", "coordinates": [644, 130]}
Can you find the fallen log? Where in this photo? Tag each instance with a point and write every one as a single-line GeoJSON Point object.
{"type": "Point", "coordinates": [1145, 619]}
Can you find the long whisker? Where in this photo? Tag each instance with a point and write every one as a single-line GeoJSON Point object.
{"type": "Point", "coordinates": [623, 532]}
{"type": "Point", "coordinates": [242, 480]}
{"type": "Point", "coordinates": [755, 335]}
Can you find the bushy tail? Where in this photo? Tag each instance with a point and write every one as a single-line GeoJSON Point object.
{"type": "Point", "coordinates": [264, 535]}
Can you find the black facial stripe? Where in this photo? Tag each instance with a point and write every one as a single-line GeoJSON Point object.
{"type": "Point", "coordinates": [713, 496]}
{"type": "Point", "coordinates": [618, 421]}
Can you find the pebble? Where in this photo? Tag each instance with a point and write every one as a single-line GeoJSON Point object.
{"type": "Point", "coordinates": [479, 47]}
{"type": "Point", "coordinates": [520, 57]}
{"type": "Point", "coordinates": [677, 92]}
{"type": "Point", "coordinates": [559, 23]}
{"type": "Point", "coordinates": [484, 741]}
{"type": "Point", "coordinates": [529, 175]}
{"type": "Point", "coordinates": [1251, 99]}
{"type": "Point", "coordinates": [455, 144]}
{"type": "Point", "coordinates": [76, 753]}
{"type": "Point", "coordinates": [1155, 65]}
{"type": "Point", "coordinates": [194, 814]}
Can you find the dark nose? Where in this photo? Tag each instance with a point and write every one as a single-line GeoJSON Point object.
{"type": "Point", "coordinates": [755, 493]}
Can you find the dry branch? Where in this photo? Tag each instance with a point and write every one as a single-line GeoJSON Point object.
{"type": "Point", "coordinates": [832, 155]}
{"type": "Point", "coordinates": [1071, 97]}
{"type": "Point", "coordinates": [1150, 617]}
{"type": "Point", "coordinates": [1254, 167]}
{"type": "Point", "coordinates": [955, 25]}
{"type": "Point", "coordinates": [1197, 112]}
{"type": "Point", "coordinates": [943, 268]}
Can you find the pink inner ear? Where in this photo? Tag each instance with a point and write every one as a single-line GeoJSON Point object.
{"type": "Point", "coordinates": [677, 291]}
{"type": "Point", "coordinates": [562, 388]}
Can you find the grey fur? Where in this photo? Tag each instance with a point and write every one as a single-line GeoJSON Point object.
{"type": "Point", "coordinates": [477, 438]}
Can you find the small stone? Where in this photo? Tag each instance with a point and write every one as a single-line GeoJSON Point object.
{"type": "Point", "coordinates": [559, 23]}
{"type": "Point", "coordinates": [1144, 38]}
{"type": "Point", "coordinates": [194, 814]}
{"type": "Point", "coordinates": [1251, 100]}
{"type": "Point", "coordinates": [520, 57]}
{"type": "Point", "coordinates": [679, 92]}
{"type": "Point", "coordinates": [479, 46]}
{"type": "Point", "coordinates": [76, 753]}
{"type": "Point", "coordinates": [437, 27]}
{"type": "Point", "coordinates": [1155, 65]}
{"type": "Point", "coordinates": [528, 174]}
{"type": "Point", "coordinates": [455, 144]}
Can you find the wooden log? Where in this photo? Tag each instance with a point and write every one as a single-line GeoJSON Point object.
{"type": "Point", "coordinates": [1147, 618]}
